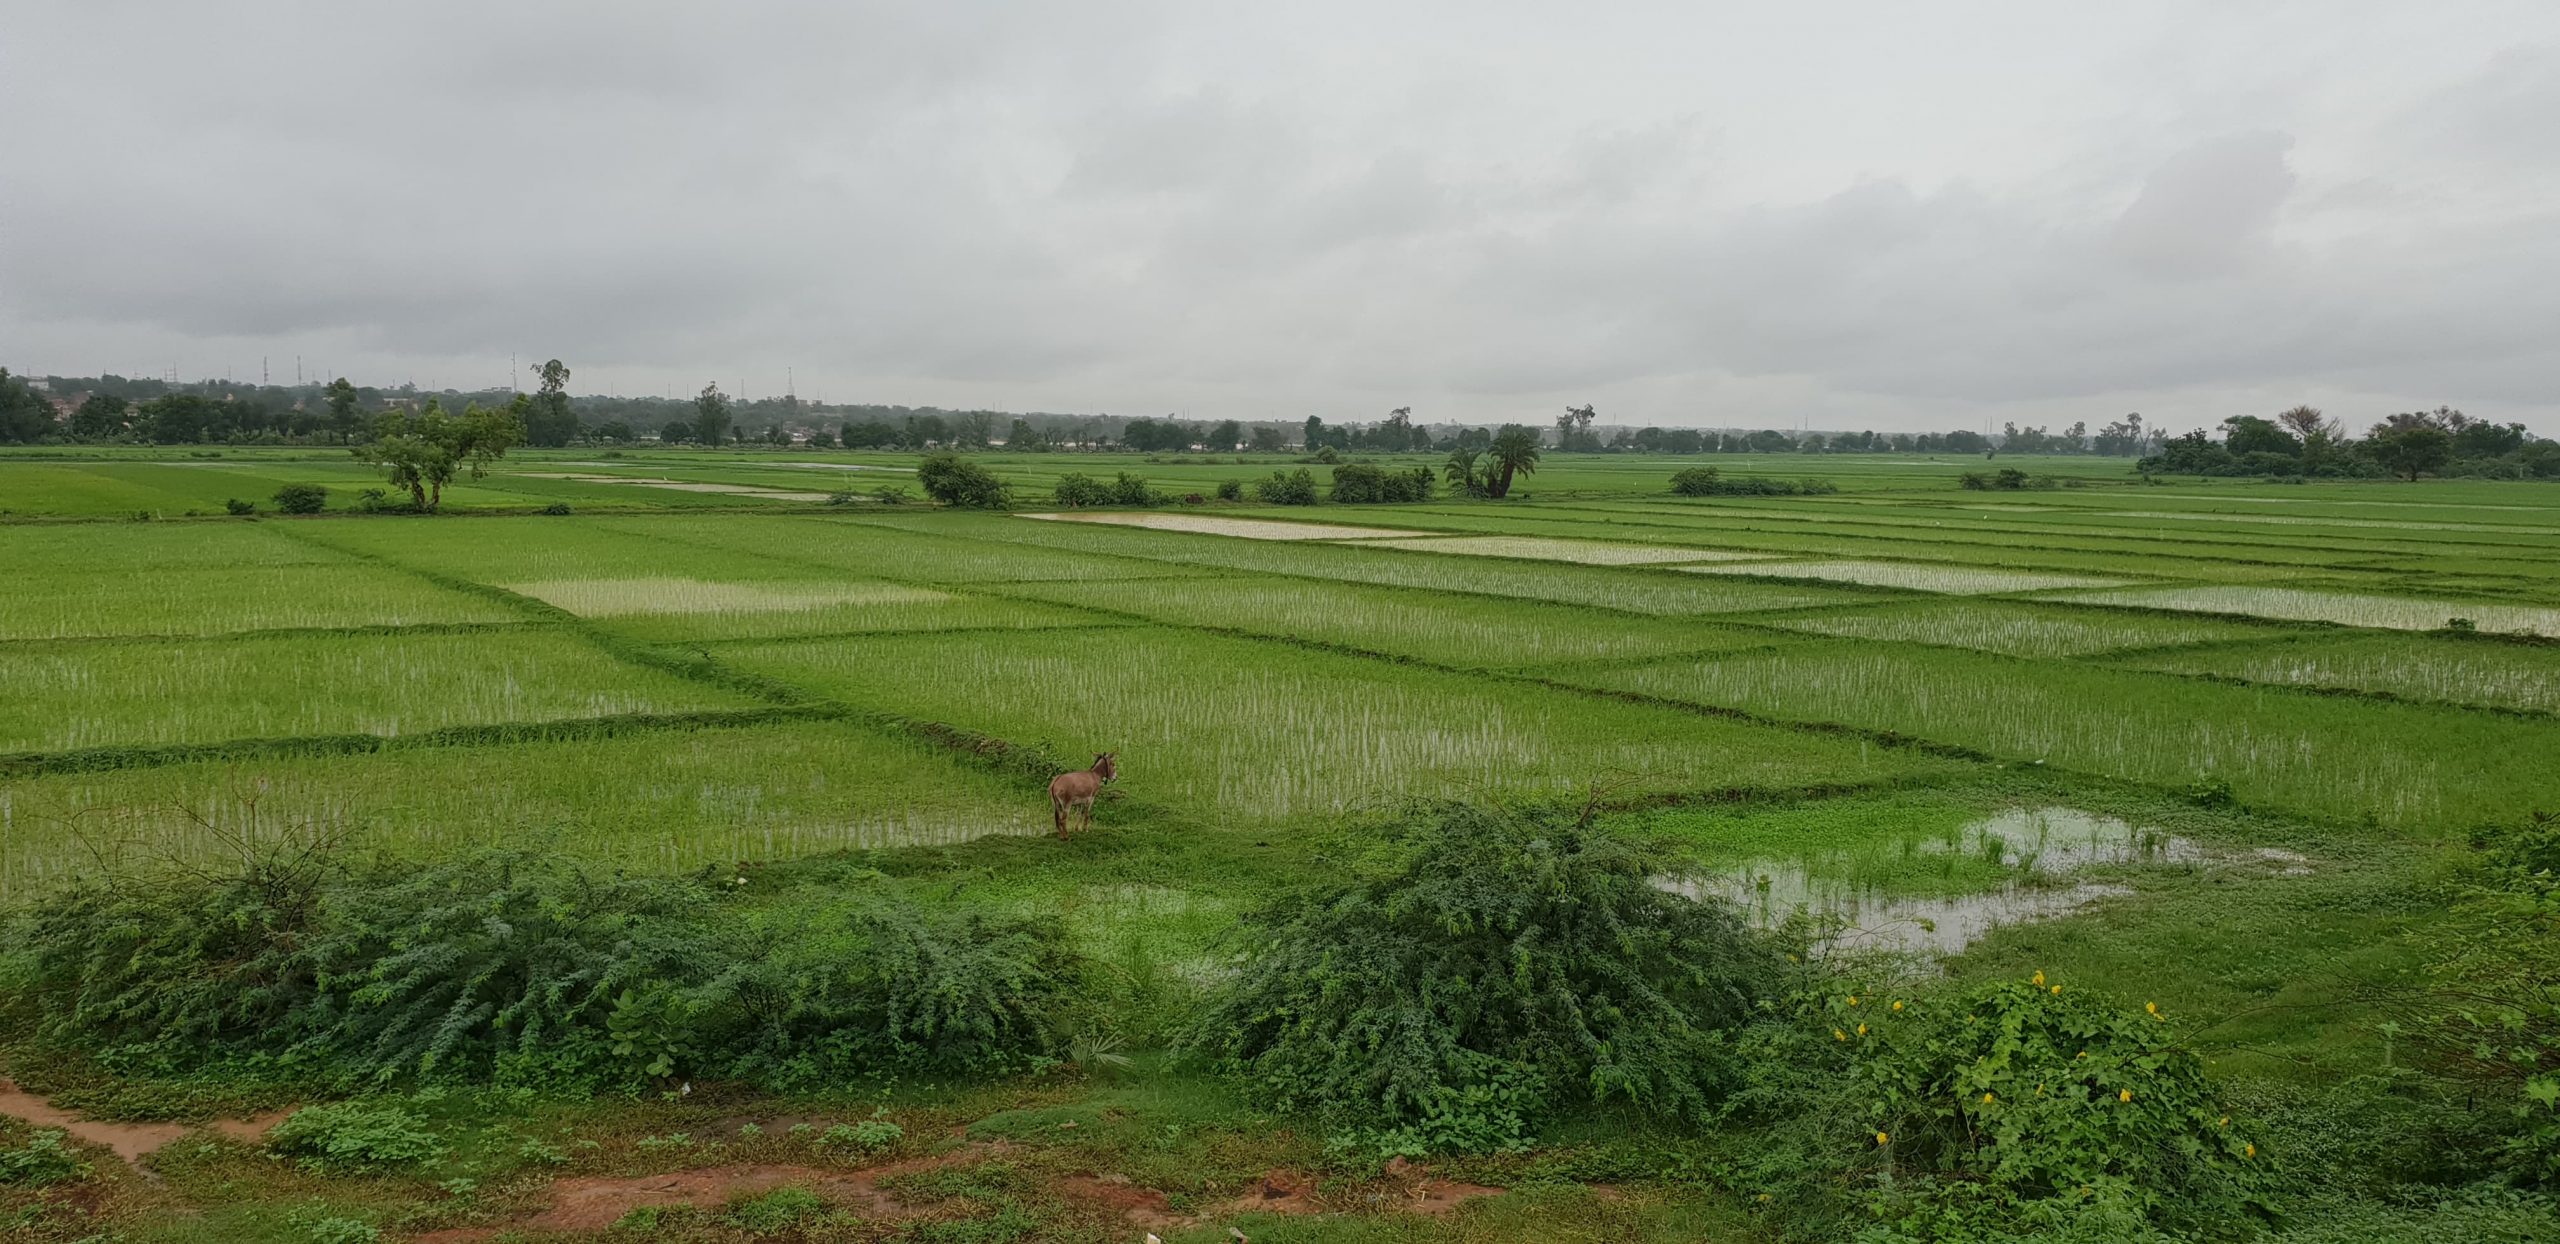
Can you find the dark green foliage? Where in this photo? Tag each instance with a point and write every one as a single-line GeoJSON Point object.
{"type": "Point", "coordinates": [519, 967]}
{"type": "Point", "coordinates": [957, 481]}
{"type": "Point", "coordinates": [557, 509]}
{"type": "Point", "coordinates": [355, 1136]}
{"type": "Point", "coordinates": [302, 498]}
{"type": "Point", "coordinates": [41, 1162]}
{"type": "Point", "coordinates": [1709, 482]}
{"type": "Point", "coordinates": [1291, 488]}
{"type": "Point", "coordinates": [2494, 1012]}
{"type": "Point", "coordinates": [1480, 968]}
{"type": "Point", "coordinates": [774, 1212]}
{"type": "Point", "coordinates": [1077, 490]}
{"type": "Point", "coordinates": [1230, 490]}
{"type": "Point", "coordinates": [1362, 483]}
{"type": "Point", "coordinates": [239, 508]}
{"type": "Point", "coordinates": [2011, 1110]}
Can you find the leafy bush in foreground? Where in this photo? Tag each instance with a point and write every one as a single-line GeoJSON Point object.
{"type": "Point", "coordinates": [1291, 488]}
{"type": "Point", "coordinates": [354, 1136]}
{"type": "Point", "coordinates": [1490, 967]}
{"type": "Point", "coordinates": [2494, 1014]}
{"type": "Point", "coordinates": [2014, 1110]}
{"type": "Point", "coordinates": [519, 967]}
{"type": "Point", "coordinates": [41, 1162]}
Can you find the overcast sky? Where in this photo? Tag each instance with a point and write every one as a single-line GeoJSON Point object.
{"type": "Point", "coordinates": [1883, 214]}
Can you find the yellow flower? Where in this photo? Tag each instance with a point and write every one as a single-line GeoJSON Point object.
{"type": "Point", "coordinates": [1764, 1197]}
{"type": "Point", "coordinates": [2248, 1151]}
{"type": "Point", "coordinates": [2039, 1090]}
{"type": "Point", "coordinates": [2226, 1121]}
{"type": "Point", "coordinates": [2057, 989]}
{"type": "Point", "coordinates": [1897, 1006]}
{"type": "Point", "coordinates": [1883, 1139]}
{"type": "Point", "coordinates": [2152, 1007]}
{"type": "Point", "coordinates": [2124, 1094]}
{"type": "Point", "coordinates": [1986, 1099]}
{"type": "Point", "coordinates": [1838, 1035]}
{"type": "Point", "coordinates": [1862, 1030]}
{"type": "Point", "coordinates": [2083, 1054]}
{"type": "Point", "coordinates": [2039, 976]}
{"type": "Point", "coordinates": [1853, 999]}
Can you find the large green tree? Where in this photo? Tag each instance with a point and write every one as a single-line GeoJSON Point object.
{"type": "Point", "coordinates": [24, 413]}
{"type": "Point", "coordinates": [2410, 449]}
{"type": "Point", "coordinates": [711, 415]}
{"type": "Point", "coordinates": [1514, 453]}
{"type": "Point", "coordinates": [550, 424]}
{"type": "Point", "coordinates": [343, 415]}
{"type": "Point", "coordinates": [104, 416]}
{"type": "Point", "coordinates": [424, 451]}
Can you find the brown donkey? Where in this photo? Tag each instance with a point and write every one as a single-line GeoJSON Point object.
{"type": "Point", "coordinates": [1076, 790]}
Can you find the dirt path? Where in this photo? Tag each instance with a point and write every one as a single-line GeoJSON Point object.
{"type": "Point", "coordinates": [130, 1141]}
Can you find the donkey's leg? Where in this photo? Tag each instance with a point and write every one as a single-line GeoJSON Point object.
{"type": "Point", "coordinates": [1058, 813]}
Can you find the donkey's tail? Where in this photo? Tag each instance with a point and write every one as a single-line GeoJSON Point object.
{"type": "Point", "coordinates": [1058, 813]}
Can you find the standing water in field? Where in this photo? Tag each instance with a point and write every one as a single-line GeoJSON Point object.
{"type": "Point", "coordinates": [1940, 894]}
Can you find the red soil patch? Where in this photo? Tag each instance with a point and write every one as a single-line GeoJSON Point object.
{"type": "Point", "coordinates": [1141, 1207]}
{"type": "Point", "coordinates": [589, 1203]}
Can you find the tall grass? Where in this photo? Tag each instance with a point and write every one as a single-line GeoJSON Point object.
{"type": "Point", "coordinates": [1262, 733]}
{"type": "Point", "coordinates": [1628, 589]}
{"type": "Point", "coordinates": [64, 697]}
{"type": "Point", "coordinates": [2401, 613]}
{"type": "Point", "coordinates": [653, 800]}
{"type": "Point", "coordinates": [213, 600]}
{"type": "Point", "coordinates": [2502, 675]}
{"type": "Point", "coordinates": [2412, 767]}
{"type": "Point", "coordinates": [1547, 549]}
{"type": "Point", "coordinates": [1916, 576]}
{"type": "Point", "coordinates": [1431, 626]}
{"type": "Point", "coordinates": [2018, 628]}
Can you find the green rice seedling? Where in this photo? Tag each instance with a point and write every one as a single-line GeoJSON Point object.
{"type": "Point", "coordinates": [674, 609]}
{"type": "Point", "coordinates": [1584, 552]}
{"type": "Point", "coordinates": [1430, 626]}
{"type": "Point", "coordinates": [213, 600]}
{"type": "Point", "coordinates": [1261, 732]}
{"type": "Point", "coordinates": [65, 697]}
{"type": "Point", "coordinates": [923, 553]}
{"type": "Point", "coordinates": [1915, 576]}
{"type": "Point", "coordinates": [657, 800]}
{"type": "Point", "coordinates": [1222, 525]}
{"type": "Point", "coordinates": [2454, 671]}
{"type": "Point", "coordinates": [2017, 628]}
{"type": "Point", "coordinates": [2400, 613]}
{"type": "Point", "coordinates": [2411, 767]}
{"type": "Point", "coordinates": [1627, 589]}
{"type": "Point", "coordinates": [114, 548]}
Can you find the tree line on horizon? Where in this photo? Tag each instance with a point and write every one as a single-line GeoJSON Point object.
{"type": "Point", "coordinates": [2299, 442]}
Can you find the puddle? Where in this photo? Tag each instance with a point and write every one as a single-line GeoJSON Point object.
{"type": "Point", "coordinates": [2039, 850]}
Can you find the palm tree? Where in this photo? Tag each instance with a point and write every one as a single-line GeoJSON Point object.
{"type": "Point", "coordinates": [1514, 452]}
{"type": "Point", "coordinates": [1460, 471]}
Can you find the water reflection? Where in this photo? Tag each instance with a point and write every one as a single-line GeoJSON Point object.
{"type": "Point", "coordinates": [2004, 869]}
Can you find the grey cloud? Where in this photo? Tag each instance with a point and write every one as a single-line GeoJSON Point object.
{"type": "Point", "coordinates": [1333, 210]}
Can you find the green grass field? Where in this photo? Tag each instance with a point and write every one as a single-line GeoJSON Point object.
{"type": "Point", "coordinates": [2209, 744]}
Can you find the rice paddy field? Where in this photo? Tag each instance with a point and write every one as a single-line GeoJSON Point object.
{"type": "Point", "coordinates": [2210, 741]}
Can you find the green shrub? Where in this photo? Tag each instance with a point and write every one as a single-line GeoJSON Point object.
{"type": "Point", "coordinates": [528, 969]}
{"type": "Point", "coordinates": [2022, 1107]}
{"type": "Point", "coordinates": [42, 1161]}
{"type": "Point", "coordinates": [1361, 483]}
{"type": "Point", "coordinates": [326, 1230]}
{"type": "Point", "coordinates": [1709, 482]}
{"type": "Point", "coordinates": [2494, 1012]}
{"type": "Point", "coordinates": [958, 482]}
{"type": "Point", "coordinates": [868, 1136]}
{"type": "Point", "coordinates": [1475, 971]}
{"type": "Point", "coordinates": [1292, 488]}
{"type": "Point", "coordinates": [1077, 490]}
{"type": "Point", "coordinates": [774, 1212]}
{"type": "Point", "coordinates": [302, 498]}
{"type": "Point", "coordinates": [557, 508]}
{"type": "Point", "coordinates": [354, 1136]}
{"type": "Point", "coordinates": [1230, 490]}
{"type": "Point", "coordinates": [239, 508]}
{"type": "Point", "coordinates": [892, 494]}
